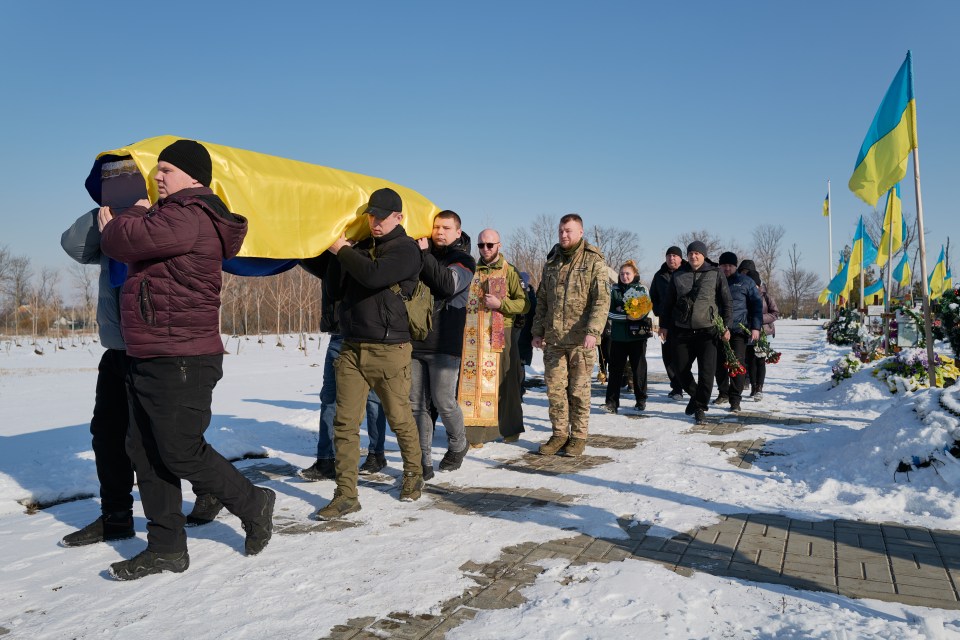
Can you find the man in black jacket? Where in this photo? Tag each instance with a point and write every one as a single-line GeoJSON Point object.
{"type": "Point", "coordinates": [746, 320]}
{"type": "Point", "coordinates": [447, 271]}
{"type": "Point", "coordinates": [376, 345]}
{"type": "Point", "coordinates": [697, 295]}
{"type": "Point", "coordinates": [658, 296]}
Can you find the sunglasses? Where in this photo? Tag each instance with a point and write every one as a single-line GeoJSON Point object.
{"type": "Point", "coordinates": [487, 245]}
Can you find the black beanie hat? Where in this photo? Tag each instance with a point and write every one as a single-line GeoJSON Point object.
{"type": "Point", "coordinates": [697, 246]}
{"type": "Point", "coordinates": [728, 257]}
{"type": "Point", "coordinates": [674, 251]}
{"type": "Point", "coordinates": [192, 158]}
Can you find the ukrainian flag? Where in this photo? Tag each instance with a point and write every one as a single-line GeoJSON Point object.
{"type": "Point", "coordinates": [948, 281]}
{"type": "Point", "coordinates": [902, 272]}
{"type": "Point", "coordinates": [893, 222]}
{"type": "Point", "coordinates": [826, 206]}
{"type": "Point", "coordinates": [864, 251]}
{"type": "Point", "coordinates": [892, 135]}
{"type": "Point", "coordinates": [875, 289]}
{"type": "Point", "coordinates": [936, 282]}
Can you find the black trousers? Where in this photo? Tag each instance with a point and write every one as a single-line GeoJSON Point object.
{"type": "Point", "coordinates": [727, 386]}
{"type": "Point", "coordinates": [111, 416]}
{"type": "Point", "coordinates": [756, 369]}
{"type": "Point", "coordinates": [620, 352]}
{"type": "Point", "coordinates": [666, 351]}
{"type": "Point", "coordinates": [700, 346]}
{"type": "Point", "coordinates": [169, 413]}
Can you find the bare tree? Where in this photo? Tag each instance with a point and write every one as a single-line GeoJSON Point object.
{"type": "Point", "coordinates": [528, 246]}
{"type": "Point", "coordinates": [84, 277]}
{"type": "Point", "coordinates": [799, 285]}
{"type": "Point", "coordinates": [715, 246]}
{"type": "Point", "coordinates": [617, 245]}
{"type": "Point", "coordinates": [17, 288]}
{"type": "Point", "coordinates": [766, 250]}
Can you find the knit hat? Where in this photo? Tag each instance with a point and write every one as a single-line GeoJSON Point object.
{"type": "Point", "coordinates": [383, 202]}
{"type": "Point", "coordinates": [674, 251]}
{"type": "Point", "coordinates": [747, 265]}
{"type": "Point", "coordinates": [697, 246]}
{"type": "Point", "coordinates": [192, 158]}
{"type": "Point", "coordinates": [728, 257]}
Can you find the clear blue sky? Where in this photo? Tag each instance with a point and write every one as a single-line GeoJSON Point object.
{"type": "Point", "coordinates": [662, 118]}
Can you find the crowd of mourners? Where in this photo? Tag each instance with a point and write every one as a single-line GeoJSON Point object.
{"type": "Point", "coordinates": [158, 315]}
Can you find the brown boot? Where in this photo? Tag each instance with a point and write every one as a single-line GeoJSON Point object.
{"type": "Point", "coordinates": [551, 446]}
{"type": "Point", "coordinates": [574, 447]}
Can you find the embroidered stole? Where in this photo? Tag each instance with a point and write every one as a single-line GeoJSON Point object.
{"type": "Point", "coordinates": [483, 340]}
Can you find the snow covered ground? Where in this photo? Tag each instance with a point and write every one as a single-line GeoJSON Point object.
{"type": "Point", "coordinates": [406, 556]}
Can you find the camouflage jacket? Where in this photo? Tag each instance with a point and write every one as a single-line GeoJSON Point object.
{"type": "Point", "coordinates": [573, 297]}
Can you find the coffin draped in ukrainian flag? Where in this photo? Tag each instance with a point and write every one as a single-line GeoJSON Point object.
{"type": "Point", "coordinates": [295, 209]}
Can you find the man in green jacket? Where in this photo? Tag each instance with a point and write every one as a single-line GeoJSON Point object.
{"type": "Point", "coordinates": [572, 304]}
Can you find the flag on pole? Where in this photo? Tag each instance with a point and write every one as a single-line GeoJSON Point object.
{"type": "Point", "coordinates": [902, 272]}
{"type": "Point", "coordinates": [882, 161]}
{"type": "Point", "coordinates": [948, 281]}
{"type": "Point", "coordinates": [864, 251]}
{"type": "Point", "coordinates": [937, 278]}
{"type": "Point", "coordinates": [875, 289]}
{"type": "Point", "coordinates": [893, 224]}
{"type": "Point", "coordinates": [826, 206]}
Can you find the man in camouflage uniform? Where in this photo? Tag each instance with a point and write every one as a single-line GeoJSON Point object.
{"type": "Point", "coordinates": [572, 304]}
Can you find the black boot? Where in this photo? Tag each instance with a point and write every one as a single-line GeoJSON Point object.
{"type": "Point", "coordinates": [452, 459]}
{"type": "Point", "coordinates": [322, 469]}
{"type": "Point", "coordinates": [374, 463]}
{"type": "Point", "coordinates": [117, 525]}
{"type": "Point", "coordinates": [260, 528]}
{"type": "Point", "coordinates": [148, 563]}
{"type": "Point", "coordinates": [205, 510]}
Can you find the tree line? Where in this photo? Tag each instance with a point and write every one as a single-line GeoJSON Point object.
{"type": "Point", "coordinates": [33, 304]}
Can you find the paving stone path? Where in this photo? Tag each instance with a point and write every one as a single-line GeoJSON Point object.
{"type": "Point", "coordinates": [885, 561]}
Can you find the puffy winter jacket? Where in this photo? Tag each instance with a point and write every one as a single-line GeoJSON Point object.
{"type": "Point", "coordinates": [170, 302]}
{"type": "Point", "coordinates": [447, 271]}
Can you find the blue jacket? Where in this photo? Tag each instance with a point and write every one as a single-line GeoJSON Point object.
{"type": "Point", "coordinates": [746, 302]}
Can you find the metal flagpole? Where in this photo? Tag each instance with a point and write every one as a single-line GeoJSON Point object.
{"type": "Point", "coordinates": [830, 236]}
{"type": "Point", "coordinates": [927, 317]}
{"type": "Point", "coordinates": [886, 294]}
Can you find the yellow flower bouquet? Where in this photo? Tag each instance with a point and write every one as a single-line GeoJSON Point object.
{"type": "Point", "coordinates": [637, 306]}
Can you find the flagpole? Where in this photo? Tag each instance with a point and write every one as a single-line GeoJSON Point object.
{"type": "Point", "coordinates": [886, 294]}
{"type": "Point", "coordinates": [927, 316]}
{"type": "Point", "coordinates": [830, 303]}
{"type": "Point", "coordinates": [863, 242]}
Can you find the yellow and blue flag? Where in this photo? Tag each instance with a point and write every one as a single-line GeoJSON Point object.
{"type": "Point", "coordinates": [892, 135]}
{"type": "Point", "coordinates": [902, 273]}
{"type": "Point", "coordinates": [948, 281]}
{"type": "Point", "coordinates": [893, 224]}
{"type": "Point", "coordinates": [826, 206]}
{"type": "Point", "coordinates": [864, 251]}
{"type": "Point", "coordinates": [936, 279]}
{"type": "Point", "coordinates": [875, 289]}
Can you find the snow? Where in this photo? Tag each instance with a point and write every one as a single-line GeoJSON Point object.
{"type": "Point", "coordinates": [407, 556]}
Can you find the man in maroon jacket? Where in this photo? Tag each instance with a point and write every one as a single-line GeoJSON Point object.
{"type": "Point", "coordinates": [169, 315]}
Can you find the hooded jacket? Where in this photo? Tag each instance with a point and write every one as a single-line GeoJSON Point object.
{"type": "Point", "coordinates": [622, 327]}
{"type": "Point", "coordinates": [170, 302]}
{"type": "Point", "coordinates": [712, 299]}
{"type": "Point", "coordinates": [448, 272]}
{"type": "Point", "coordinates": [746, 304]}
{"type": "Point", "coordinates": [360, 279]}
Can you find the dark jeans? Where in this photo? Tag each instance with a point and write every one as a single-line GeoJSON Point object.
{"type": "Point", "coordinates": [111, 415]}
{"type": "Point", "coordinates": [620, 352]}
{"type": "Point", "coordinates": [700, 346]}
{"type": "Point", "coordinates": [756, 369]}
{"type": "Point", "coordinates": [666, 351]}
{"type": "Point", "coordinates": [169, 412]}
{"type": "Point", "coordinates": [376, 419]}
{"type": "Point", "coordinates": [727, 386]}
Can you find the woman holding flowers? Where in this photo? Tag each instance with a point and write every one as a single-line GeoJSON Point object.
{"type": "Point", "coordinates": [630, 327]}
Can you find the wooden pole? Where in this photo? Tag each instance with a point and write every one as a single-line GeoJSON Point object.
{"type": "Point", "coordinates": [927, 316]}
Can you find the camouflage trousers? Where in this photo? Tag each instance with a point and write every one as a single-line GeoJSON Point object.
{"type": "Point", "coordinates": [568, 372]}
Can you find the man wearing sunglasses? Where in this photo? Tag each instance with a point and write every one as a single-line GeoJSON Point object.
{"type": "Point", "coordinates": [496, 298]}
